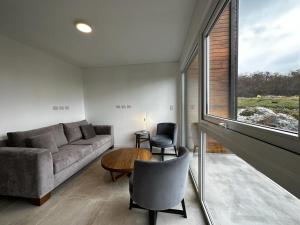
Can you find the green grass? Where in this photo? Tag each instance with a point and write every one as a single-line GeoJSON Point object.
{"type": "Point", "coordinates": [279, 104]}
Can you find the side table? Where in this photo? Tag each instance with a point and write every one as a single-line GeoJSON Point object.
{"type": "Point", "coordinates": [140, 137]}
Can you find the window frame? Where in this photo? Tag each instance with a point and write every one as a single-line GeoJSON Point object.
{"type": "Point", "coordinates": [283, 139]}
{"type": "Point", "coordinates": [193, 54]}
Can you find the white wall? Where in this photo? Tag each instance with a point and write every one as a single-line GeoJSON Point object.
{"type": "Point", "coordinates": [150, 88]}
{"type": "Point", "coordinates": [31, 83]}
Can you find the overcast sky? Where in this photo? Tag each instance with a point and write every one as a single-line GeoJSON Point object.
{"type": "Point", "coordinates": [269, 35]}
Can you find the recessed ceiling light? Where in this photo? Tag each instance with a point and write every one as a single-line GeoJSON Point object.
{"type": "Point", "coordinates": [83, 27]}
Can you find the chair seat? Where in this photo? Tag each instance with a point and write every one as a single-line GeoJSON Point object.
{"type": "Point", "coordinates": [161, 141]}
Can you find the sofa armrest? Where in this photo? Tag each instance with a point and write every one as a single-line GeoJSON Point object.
{"type": "Point", "coordinates": [104, 130]}
{"type": "Point", "coordinates": [26, 172]}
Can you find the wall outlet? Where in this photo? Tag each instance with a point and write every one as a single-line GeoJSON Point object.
{"type": "Point", "coordinates": [171, 107]}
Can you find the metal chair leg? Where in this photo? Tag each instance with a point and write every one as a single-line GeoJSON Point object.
{"type": "Point", "coordinates": [130, 203]}
{"type": "Point", "coordinates": [184, 209]}
{"type": "Point", "coordinates": [152, 217]}
{"type": "Point", "coordinates": [175, 149]}
{"type": "Point", "coordinates": [151, 148]}
{"type": "Point", "coordinates": [162, 154]}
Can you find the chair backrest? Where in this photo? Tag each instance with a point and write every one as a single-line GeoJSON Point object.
{"type": "Point", "coordinates": [161, 185]}
{"type": "Point", "coordinates": [169, 129]}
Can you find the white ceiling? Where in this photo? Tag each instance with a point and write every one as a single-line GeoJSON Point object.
{"type": "Point", "coordinates": [125, 31]}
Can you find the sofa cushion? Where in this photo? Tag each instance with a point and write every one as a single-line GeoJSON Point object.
{"type": "Point", "coordinates": [73, 131]}
{"type": "Point", "coordinates": [88, 131]}
{"type": "Point", "coordinates": [95, 142]}
{"type": "Point", "coordinates": [68, 155]}
{"type": "Point", "coordinates": [44, 141]}
{"type": "Point", "coordinates": [20, 138]}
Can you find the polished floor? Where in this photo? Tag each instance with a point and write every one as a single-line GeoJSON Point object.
{"type": "Point", "coordinates": [91, 198]}
{"type": "Point", "coordinates": [237, 194]}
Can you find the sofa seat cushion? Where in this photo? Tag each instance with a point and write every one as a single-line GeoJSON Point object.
{"type": "Point", "coordinates": [161, 141]}
{"type": "Point", "coordinates": [68, 155]}
{"type": "Point", "coordinates": [95, 142]}
{"type": "Point", "coordinates": [73, 131]}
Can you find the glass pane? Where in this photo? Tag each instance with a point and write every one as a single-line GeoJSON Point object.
{"type": "Point", "coordinates": [218, 47]}
{"type": "Point", "coordinates": [236, 193]}
{"type": "Point", "coordinates": [192, 101]}
{"type": "Point", "coordinates": [269, 63]}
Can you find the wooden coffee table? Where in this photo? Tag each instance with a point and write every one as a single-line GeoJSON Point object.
{"type": "Point", "coordinates": [122, 160]}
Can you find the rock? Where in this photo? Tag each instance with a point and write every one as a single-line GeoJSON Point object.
{"type": "Point", "coordinates": [267, 117]}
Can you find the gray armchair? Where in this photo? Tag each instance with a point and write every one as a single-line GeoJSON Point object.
{"type": "Point", "coordinates": [160, 186]}
{"type": "Point", "coordinates": [166, 137]}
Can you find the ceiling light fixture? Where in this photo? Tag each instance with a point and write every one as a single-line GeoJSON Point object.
{"type": "Point", "coordinates": [83, 27]}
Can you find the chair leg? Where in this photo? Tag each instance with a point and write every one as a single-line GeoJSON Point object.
{"type": "Point", "coordinates": [162, 154]}
{"type": "Point", "coordinates": [175, 149]}
{"type": "Point", "coordinates": [130, 203]}
{"type": "Point", "coordinates": [152, 217]}
{"type": "Point", "coordinates": [151, 148]}
{"type": "Point", "coordinates": [184, 209]}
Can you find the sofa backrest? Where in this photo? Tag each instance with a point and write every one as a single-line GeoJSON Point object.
{"type": "Point", "coordinates": [3, 143]}
{"type": "Point", "coordinates": [19, 138]}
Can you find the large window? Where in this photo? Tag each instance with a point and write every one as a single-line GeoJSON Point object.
{"type": "Point", "coordinates": [253, 68]}
{"type": "Point", "coordinates": [269, 63]}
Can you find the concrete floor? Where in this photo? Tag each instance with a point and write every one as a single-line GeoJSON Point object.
{"type": "Point", "coordinates": [238, 194]}
{"type": "Point", "coordinates": [91, 198]}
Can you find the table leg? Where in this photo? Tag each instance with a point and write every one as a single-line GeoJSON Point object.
{"type": "Point", "coordinates": [112, 177]}
{"type": "Point", "coordinates": [120, 175]}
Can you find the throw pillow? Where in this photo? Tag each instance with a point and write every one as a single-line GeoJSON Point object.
{"type": "Point", "coordinates": [72, 130]}
{"type": "Point", "coordinates": [88, 131]}
{"type": "Point", "coordinates": [43, 141]}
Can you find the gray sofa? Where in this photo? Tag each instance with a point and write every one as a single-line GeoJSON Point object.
{"type": "Point", "coordinates": [34, 172]}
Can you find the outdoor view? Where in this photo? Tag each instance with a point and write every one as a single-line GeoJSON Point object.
{"type": "Point", "coordinates": [269, 63]}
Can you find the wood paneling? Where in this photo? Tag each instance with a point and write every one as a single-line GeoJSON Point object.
{"type": "Point", "coordinates": [219, 56]}
{"type": "Point", "coordinates": [219, 69]}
